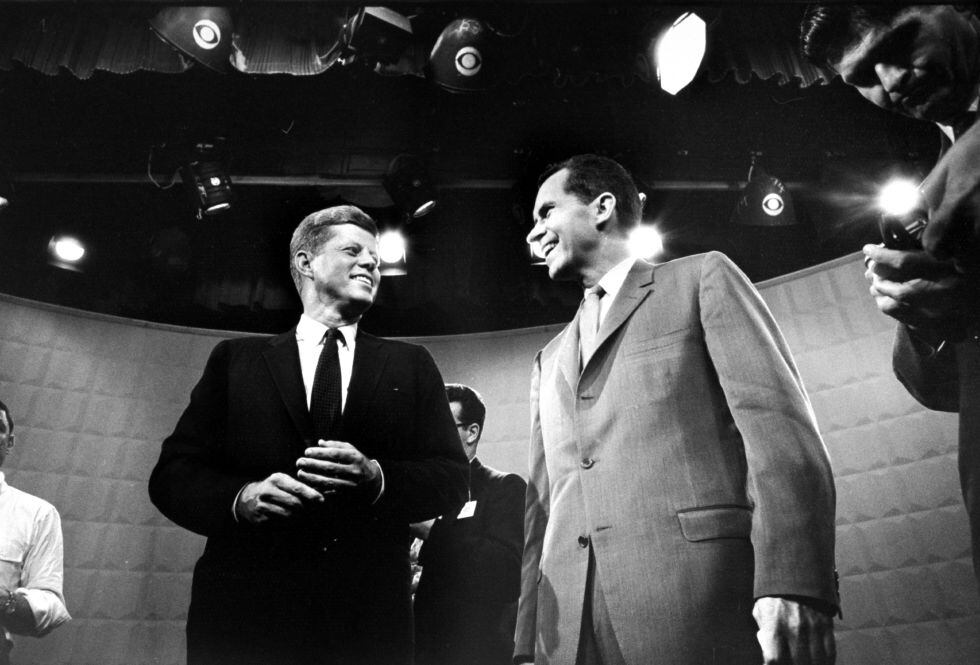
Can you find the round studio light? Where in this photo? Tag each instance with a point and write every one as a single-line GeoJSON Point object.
{"type": "Point", "coordinates": [391, 247]}
{"type": "Point", "coordinates": [646, 242]}
{"type": "Point", "coordinates": [773, 204]}
{"type": "Point", "coordinates": [66, 249]}
{"type": "Point", "coordinates": [679, 52]}
{"type": "Point", "coordinates": [899, 197]}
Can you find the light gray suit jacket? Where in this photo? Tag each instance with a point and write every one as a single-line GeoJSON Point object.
{"type": "Point", "coordinates": [687, 453]}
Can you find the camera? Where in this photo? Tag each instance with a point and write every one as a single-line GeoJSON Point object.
{"type": "Point", "coordinates": [904, 217]}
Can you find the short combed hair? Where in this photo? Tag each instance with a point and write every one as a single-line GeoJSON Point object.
{"type": "Point", "coordinates": [472, 409]}
{"type": "Point", "coordinates": [591, 175]}
{"type": "Point", "coordinates": [315, 230]}
{"type": "Point", "coordinates": [10, 420]}
{"type": "Point", "coordinates": [827, 31]}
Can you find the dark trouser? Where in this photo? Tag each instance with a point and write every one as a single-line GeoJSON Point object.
{"type": "Point", "coordinates": [5, 648]}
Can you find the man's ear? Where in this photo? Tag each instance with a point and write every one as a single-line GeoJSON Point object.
{"type": "Point", "coordinates": [605, 207]}
{"type": "Point", "coordinates": [303, 263]}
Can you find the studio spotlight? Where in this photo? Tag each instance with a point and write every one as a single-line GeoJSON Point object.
{"type": "Point", "coordinates": [646, 242]}
{"type": "Point", "coordinates": [201, 33]}
{"type": "Point", "coordinates": [462, 59]}
{"type": "Point", "coordinates": [393, 254]}
{"type": "Point", "coordinates": [764, 201]}
{"type": "Point", "coordinates": [408, 184]}
{"type": "Point", "coordinates": [678, 52]}
{"type": "Point", "coordinates": [6, 192]}
{"type": "Point", "coordinates": [65, 252]}
{"type": "Point", "coordinates": [377, 34]}
{"type": "Point", "coordinates": [207, 180]}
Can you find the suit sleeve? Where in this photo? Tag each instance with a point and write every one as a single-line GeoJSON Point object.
{"type": "Point", "coordinates": [789, 478]}
{"type": "Point", "coordinates": [536, 510]}
{"type": "Point", "coordinates": [930, 376]}
{"type": "Point", "coordinates": [492, 555]}
{"type": "Point", "coordinates": [189, 484]}
{"type": "Point", "coordinates": [429, 475]}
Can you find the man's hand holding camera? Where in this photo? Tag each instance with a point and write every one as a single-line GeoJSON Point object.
{"type": "Point", "coordinates": [928, 295]}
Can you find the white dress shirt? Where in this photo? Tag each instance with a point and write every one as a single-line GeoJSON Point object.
{"type": "Point", "coordinates": [31, 553]}
{"type": "Point", "coordinates": [611, 284]}
{"type": "Point", "coordinates": [309, 342]}
{"type": "Point", "coordinates": [309, 339]}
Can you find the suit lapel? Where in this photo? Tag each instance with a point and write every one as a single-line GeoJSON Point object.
{"type": "Point", "coordinates": [282, 356]}
{"type": "Point", "coordinates": [568, 353]}
{"type": "Point", "coordinates": [370, 356]}
{"type": "Point", "coordinates": [637, 286]}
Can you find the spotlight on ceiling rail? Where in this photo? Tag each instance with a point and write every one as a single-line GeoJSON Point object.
{"type": "Point", "coordinates": [410, 186]}
{"type": "Point", "coordinates": [392, 251]}
{"type": "Point", "coordinates": [206, 178]}
{"type": "Point", "coordinates": [203, 34]}
{"type": "Point", "coordinates": [764, 201]}
{"type": "Point", "coordinates": [463, 58]}
{"type": "Point", "coordinates": [376, 35]}
{"type": "Point", "coordinates": [678, 52]}
{"type": "Point", "coordinates": [66, 252]}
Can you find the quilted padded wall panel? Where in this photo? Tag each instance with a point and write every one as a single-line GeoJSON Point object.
{"type": "Point", "coordinates": [93, 397]}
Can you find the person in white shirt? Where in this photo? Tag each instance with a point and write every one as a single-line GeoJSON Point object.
{"type": "Point", "coordinates": [31, 598]}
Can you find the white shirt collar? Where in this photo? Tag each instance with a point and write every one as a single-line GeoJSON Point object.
{"type": "Point", "coordinates": [310, 330]}
{"type": "Point", "coordinates": [3, 482]}
{"type": "Point", "coordinates": [613, 280]}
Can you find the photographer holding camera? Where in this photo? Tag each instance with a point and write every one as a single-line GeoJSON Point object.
{"type": "Point", "coordinates": [923, 61]}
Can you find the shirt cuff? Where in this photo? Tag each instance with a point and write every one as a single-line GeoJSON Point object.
{"type": "Point", "coordinates": [381, 492]}
{"type": "Point", "coordinates": [234, 504]}
{"type": "Point", "coordinates": [47, 607]}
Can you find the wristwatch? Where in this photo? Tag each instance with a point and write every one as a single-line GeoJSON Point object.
{"type": "Point", "coordinates": [8, 606]}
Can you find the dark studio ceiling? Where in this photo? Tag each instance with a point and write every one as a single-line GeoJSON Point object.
{"type": "Point", "coordinates": [82, 134]}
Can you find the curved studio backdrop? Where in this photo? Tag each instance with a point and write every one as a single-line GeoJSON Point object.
{"type": "Point", "coordinates": [93, 396]}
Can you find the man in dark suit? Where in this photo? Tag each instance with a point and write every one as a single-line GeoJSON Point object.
{"type": "Point", "coordinates": [923, 61]}
{"type": "Point", "coordinates": [303, 458]}
{"type": "Point", "coordinates": [466, 601]}
{"type": "Point", "coordinates": [678, 483]}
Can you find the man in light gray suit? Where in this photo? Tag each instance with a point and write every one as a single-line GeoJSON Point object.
{"type": "Point", "coordinates": [678, 484]}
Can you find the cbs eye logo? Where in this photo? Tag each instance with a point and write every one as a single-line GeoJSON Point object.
{"type": "Point", "coordinates": [468, 61]}
{"type": "Point", "coordinates": [207, 34]}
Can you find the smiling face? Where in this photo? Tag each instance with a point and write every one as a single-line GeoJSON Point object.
{"type": "Point", "coordinates": [925, 63]}
{"type": "Point", "coordinates": [345, 272]}
{"type": "Point", "coordinates": [565, 229]}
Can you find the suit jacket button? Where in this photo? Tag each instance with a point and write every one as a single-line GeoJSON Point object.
{"type": "Point", "coordinates": [587, 463]}
{"type": "Point", "coordinates": [583, 541]}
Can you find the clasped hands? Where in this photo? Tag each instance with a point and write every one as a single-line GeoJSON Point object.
{"type": "Point", "coordinates": [330, 467]}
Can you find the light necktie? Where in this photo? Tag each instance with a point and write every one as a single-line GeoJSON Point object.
{"type": "Point", "coordinates": [325, 400]}
{"type": "Point", "coordinates": [588, 322]}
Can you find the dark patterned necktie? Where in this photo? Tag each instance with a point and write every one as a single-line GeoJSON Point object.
{"type": "Point", "coordinates": [325, 401]}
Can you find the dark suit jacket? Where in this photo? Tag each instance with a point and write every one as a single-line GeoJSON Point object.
{"type": "Point", "coordinates": [335, 581]}
{"type": "Point", "coordinates": [465, 604]}
{"type": "Point", "coordinates": [686, 456]}
{"type": "Point", "coordinates": [949, 381]}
